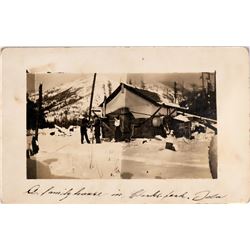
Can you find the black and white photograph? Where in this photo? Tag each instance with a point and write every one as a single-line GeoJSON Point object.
{"type": "Point", "coordinates": [121, 126]}
{"type": "Point", "coordinates": [125, 125]}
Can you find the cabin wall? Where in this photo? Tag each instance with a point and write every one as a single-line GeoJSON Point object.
{"type": "Point", "coordinates": [116, 103]}
{"type": "Point", "coordinates": [139, 107]}
{"type": "Point", "coordinates": [147, 130]}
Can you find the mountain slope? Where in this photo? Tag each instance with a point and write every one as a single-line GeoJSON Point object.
{"type": "Point", "coordinates": [72, 99]}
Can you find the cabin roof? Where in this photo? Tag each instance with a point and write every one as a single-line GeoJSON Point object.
{"type": "Point", "coordinates": [150, 96]}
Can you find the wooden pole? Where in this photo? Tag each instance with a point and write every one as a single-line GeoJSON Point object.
{"type": "Point", "coordinates": [92, 95]}
{"type": "Point", "coordinates": [104, 107]}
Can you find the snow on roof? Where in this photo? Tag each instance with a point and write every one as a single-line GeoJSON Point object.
{"type": "Point", "coordinates": [181, 118]}
{"type": "Point", "coordinates": [149, 95]}
{"type": "Point", "coordinates": [170, 104]}
{"type": "Point", "coordinates": [152, 96]}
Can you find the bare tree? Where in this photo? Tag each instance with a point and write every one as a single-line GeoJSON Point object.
{"type": "Point", "coordinates": [109, 87]}
{"type": "Point", "coordinates": [143, 85]}
{"type": "Point", "coordinates": [104, 89]}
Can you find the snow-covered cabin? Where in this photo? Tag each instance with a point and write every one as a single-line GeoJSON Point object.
{"type": "Point", "coordinates": [137, 108]}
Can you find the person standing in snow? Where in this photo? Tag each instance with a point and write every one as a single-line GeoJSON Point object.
{"type": "Point", "coordinates": [32, 144]}
{"type": "Point", "coordinates": [35, 145]}
{"type": "Point", "coordinates": [117, 129]}
{"type": "Point", "coordinates": [84, 127]}
{"type": "Point", "coordinates": [97, 125]}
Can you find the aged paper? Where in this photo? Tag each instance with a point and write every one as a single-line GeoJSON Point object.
{"type": "Point", "coordinates": [125, 125]}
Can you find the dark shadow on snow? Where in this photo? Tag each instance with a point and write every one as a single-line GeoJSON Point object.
{"type": "Point", "coordinates": [126, 175]}
{"type": "Point", "coordinates": [38, 170]}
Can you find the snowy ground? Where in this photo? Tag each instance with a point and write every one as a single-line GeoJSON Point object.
{"type": "Point", "coordinates": [65, 157]}
{"type": "Point", "coordinates": [152, 160]}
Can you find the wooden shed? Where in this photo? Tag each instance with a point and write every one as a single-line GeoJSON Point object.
{"type": "Point", "coordinates": [181, 126]}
